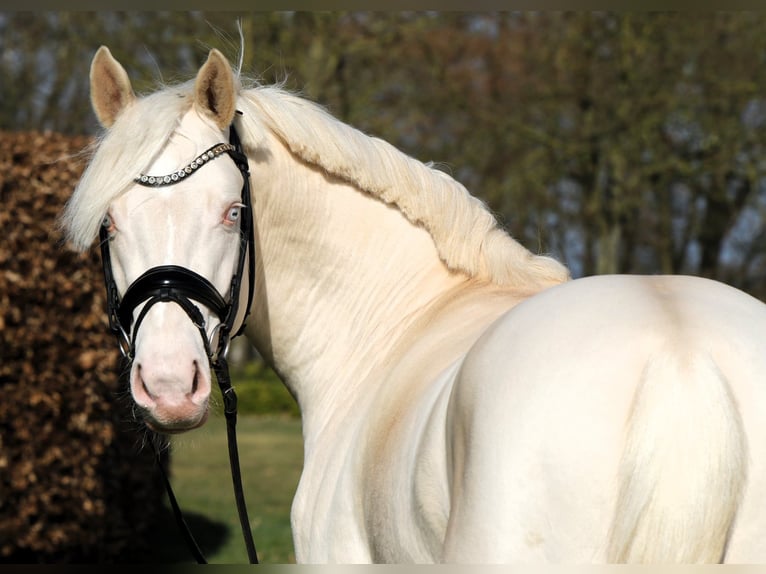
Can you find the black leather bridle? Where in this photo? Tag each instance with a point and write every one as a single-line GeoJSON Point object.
{"type": "Point", "coordinates": [186, 288]}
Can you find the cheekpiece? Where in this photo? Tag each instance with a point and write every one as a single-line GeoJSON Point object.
{"type": "Point", "coordinates": [163, 180]}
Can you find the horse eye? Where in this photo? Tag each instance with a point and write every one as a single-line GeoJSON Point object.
{"type": "Point", "coordinates": [107, 222]}
{"type": "Point", "coordinates": [232, 216]}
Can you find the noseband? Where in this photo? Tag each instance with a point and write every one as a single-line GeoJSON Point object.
{"type": "Point", "coordinates": [186, 288]}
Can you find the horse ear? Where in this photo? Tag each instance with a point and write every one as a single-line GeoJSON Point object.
{"type": "Point", "coordinates": [214, 90]}
{"type": "Point", "coordinates": [110, 89]}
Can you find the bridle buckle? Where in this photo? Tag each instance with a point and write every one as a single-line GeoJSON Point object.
{"type": "Point", "coordinates": [219, 349]}
{"type": "Point", "coordinates": [123, 343]}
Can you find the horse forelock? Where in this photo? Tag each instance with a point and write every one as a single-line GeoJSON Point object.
{"type": "Point", "coordinates": [138, 135]}
{"type": "Point", "coordinates": [465, 233]}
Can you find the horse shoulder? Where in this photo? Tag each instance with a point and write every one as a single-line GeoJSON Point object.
{"type": "Point", "coordinates": [403, 454]}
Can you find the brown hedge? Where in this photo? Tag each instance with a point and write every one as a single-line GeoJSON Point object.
{"type": "Point", "coordinates": [75, 484]}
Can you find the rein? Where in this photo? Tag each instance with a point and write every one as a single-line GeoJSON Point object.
{"type": "Point", "coordinates": [172, 283]}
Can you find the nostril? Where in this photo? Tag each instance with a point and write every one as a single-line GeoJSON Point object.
{"type": "Point", "coordinates": [195, 382]}
{"type": "Point", "coordinates": [143, 384]}
{"type": "Point", "coordinates": [200, 387]}
{"type": "Point", "coordinates": [141, 393]}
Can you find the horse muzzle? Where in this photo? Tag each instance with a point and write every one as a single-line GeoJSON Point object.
{"type": "Point", "coordinates": [172, 391]}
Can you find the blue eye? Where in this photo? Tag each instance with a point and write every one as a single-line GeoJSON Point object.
{"type": "Point", "coordinates": [233, 215]}
{"type": "Point", "coordinates": [107, 222]}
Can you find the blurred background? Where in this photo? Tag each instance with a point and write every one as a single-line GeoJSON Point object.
{"type": "Point", "coordinates": [617, 142]}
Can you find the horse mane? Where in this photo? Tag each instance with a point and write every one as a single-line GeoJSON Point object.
{"type": "Point", "coordinates": [466, 235]}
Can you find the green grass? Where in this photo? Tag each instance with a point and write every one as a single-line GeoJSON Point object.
{"type": "Point", "coordinates": [259, 390]}
{"type": "Point", "coordinates": [271, 455]}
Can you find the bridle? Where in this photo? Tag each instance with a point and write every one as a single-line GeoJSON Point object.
{"type": "Point", "coordinates": [172, 283]}
{"type": "Point", "coordinates": [176, 284]}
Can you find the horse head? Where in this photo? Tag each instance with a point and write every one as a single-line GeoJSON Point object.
{"type": "Point", "coordinates": [170, 242]}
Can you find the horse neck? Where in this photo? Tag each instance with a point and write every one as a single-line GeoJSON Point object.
{"type": "Point", "coordinates": [342, 277]}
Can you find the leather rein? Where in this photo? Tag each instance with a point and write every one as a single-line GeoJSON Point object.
{"type": "Point", "coordinates": [172, 283]}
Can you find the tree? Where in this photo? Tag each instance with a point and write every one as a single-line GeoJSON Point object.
{"type": "Point", "coordinates": [620, 142]}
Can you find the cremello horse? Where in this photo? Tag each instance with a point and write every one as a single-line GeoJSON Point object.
{"type": "Point", "coordinates": [462, 400]}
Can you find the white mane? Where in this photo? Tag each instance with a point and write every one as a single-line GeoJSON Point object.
{"type": "Point", "coordinates": [465, 233]}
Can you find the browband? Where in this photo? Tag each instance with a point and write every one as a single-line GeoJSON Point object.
{"type": "Point", "coordinates": [163, 180]}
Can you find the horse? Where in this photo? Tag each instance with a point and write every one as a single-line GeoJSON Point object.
{"type": "Point", "coordinates": [463, 400]}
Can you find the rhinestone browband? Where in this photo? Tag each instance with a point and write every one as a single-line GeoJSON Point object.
{"type": "Point", "coordinates": [196, 163]}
